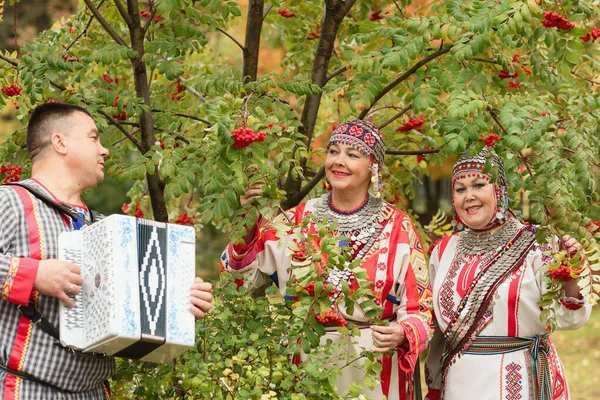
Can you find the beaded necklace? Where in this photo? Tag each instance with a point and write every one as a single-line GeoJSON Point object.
{"type": "Point", "coordinates": [362, 226]}
{"type": "Point", "coordinates": [479, 242]}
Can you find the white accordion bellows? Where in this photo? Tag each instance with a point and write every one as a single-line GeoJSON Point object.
{"type": "Point", "coordinates": [135, 297]}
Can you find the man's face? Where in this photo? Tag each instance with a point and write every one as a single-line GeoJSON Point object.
{"type": "Point", "coordinates": [85, 153]}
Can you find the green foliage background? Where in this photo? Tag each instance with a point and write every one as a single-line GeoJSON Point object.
{"type": "Point", "coordinates": [440, 60]}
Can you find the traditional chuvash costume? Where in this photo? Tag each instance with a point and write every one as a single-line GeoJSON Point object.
{"type": "Point", "coordinates": [384, 238]}
{"type": "Point", "coordinates": [489, 342]}
{"type": "Point", "coordinates": [33, 364]}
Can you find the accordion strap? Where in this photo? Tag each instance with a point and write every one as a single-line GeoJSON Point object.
{"type": "Point", "coordinates": [56, 205]}
{"type": "Point", "coordinates": [39, 320]}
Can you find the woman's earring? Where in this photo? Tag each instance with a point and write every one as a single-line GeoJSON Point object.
{"type": "Point", "coordinates": [376, 179]}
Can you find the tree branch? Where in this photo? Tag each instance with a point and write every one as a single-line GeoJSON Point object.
{"type": "Point", "coordinates": [193, 91]}
{"type": "Point", "coordinates": [335, 73]}
{"type": "Point", "coordinates": [10, 61]}
{"type": "Point", "coordinates": [395, 117]}
{"type": "Point", "coordinates": [398, 7]}
{"type": "Point", "coordinates": [485, 60]}
{"type": "Point", "coordinates": [593, 82]}
{"type": "Point", "coordinates": [84, 32]}
{"type": "Point", "coordinates": [123, 12]}
{"type": "Point", "coordinates": [149, 21]}
{"type": "Point", "coordinates": [120, 127]}
{"type": "Point", "coordinates": [441, 51]}
{"type": "Point", "coordinates": [267, 10]}
{"type": "Point", "coordinates": [107, 27]}
{"type": "Point", "coordinates": [411, 152]}
{"type": "Point", "coordinates": [231, 37]}
{"type": "Point", "coordinates": [207, 122]}
{"type": "Point", "coordinates": [313, 182]}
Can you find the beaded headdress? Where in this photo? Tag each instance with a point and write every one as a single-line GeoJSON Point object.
{"type": "Point", "coordinates": [469, 165]}
{"type": "Point", "coordinates": [366, 138]}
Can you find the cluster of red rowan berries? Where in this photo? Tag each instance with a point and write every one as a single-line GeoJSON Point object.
{"type": "Point", "coordinates": [593, 227]}
{"type": "Point", "coordinates": [413, 123]}
{"type": "Point", "coordinates": [245, 136]}
{"type": "Point", "coordinates": [490, 140]}
{"type": "Point", "coordinates": [179, 88]}
{"type": "Point", "coordinates": [147, 14]}
{"type": "Point", "coordinates": [285, 13]}
{"type": "Point", "coordinates": [68, 58]}
{"type": "Point", "coordinates": [11, 90]}
{"type": "Point", "coordinates": [12, 173]}
{"type": "Point", "coordinates": [106, 78]}
{"type": "Point", "coordinates": [299, 255]}
{"type": "Point", "coordinates": [562, 273]}
{"type": "Point", "coordinates": [271, 125]}
{"type": "Point", "coordinates": [184, 219]}
{"type": "Point", "coordinates": [138, 213]}
{"type": "Point", "coordinates": [593, 35]}
{"type": "Point", "coordinates": [313, 35]}
{"type": "Point", "coordinates": [507, 75]}
{"type": "Point", "coordinates": [554, 20]}
{"type": "Point", "coordinates": [376, 16]}
{"type": "Point", "coordinates": [331, 317]}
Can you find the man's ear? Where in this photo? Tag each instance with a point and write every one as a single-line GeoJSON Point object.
{"type": "Point", "coordinates": [57, 141]}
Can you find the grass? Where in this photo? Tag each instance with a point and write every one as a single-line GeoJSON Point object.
{"type": "Point", "coordinates": [580, 353]}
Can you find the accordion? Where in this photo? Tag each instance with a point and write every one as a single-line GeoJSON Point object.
{"type": "Point", "coordinates": [135, 297]}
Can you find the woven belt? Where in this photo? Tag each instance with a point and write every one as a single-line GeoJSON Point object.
{"type": "Point", "coordinates": [538, 347]}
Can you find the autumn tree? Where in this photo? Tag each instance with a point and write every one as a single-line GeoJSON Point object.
{"type": "Point", "coordinates": [194, 127]}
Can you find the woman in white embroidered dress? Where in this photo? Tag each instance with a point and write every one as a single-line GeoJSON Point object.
{"type": "Point", "coordinates": [490, 343]}
{"type": "Point", "coordinates": [381, 235]}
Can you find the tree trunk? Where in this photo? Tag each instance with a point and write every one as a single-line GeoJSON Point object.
{"type": "Point", "coordinates": [252, 42]}
{"type": "Point", "coordinates": [155, 185]}
{"type": "Point", "coordinates": [334, 14]}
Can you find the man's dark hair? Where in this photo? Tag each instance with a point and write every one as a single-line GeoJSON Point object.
{"type": "Point", "coordinates": [46, 119]}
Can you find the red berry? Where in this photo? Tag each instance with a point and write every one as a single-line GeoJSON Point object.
{"type": "Point", "coordinates": [376, 16]}
{"type": "Point", "coordinates": [285, 13]}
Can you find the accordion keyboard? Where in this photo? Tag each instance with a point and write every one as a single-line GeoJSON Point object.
{"type": "Point", "coordinates": [74, 315]}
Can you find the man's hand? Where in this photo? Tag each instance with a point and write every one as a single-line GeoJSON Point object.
{"type": "Point", "coordinates": [58, 279]}
{"type": "Point", "coordinates": [201, 298]}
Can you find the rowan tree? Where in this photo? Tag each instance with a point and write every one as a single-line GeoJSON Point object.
{"type": "Point", "coordinates": [194, 126]}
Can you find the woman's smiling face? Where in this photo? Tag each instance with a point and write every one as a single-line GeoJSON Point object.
{"type": "Point", "coordinates": [474, 200]}
{"type": "Point", "coordinates": [347, 169]}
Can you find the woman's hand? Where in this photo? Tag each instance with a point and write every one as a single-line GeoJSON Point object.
{"type": "Point", "coordinates": [571, 245]}
{"type": "Point", "coordinates": [252, 192]}
{"type": "Point", "coordinates": [387, 337]}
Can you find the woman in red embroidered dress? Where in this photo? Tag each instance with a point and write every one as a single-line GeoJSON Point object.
{"type": "Point", "coordinates": [381, 235]}
{"type": "Point", "coordinates": [490, 343]}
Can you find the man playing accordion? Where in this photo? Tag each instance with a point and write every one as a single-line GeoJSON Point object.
{"type": "Point", "coordinates": [67, 157]}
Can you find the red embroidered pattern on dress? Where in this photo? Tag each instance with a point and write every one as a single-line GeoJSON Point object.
{"type": "Point", "coordinates": [447, 293]}
{"type": "Point", "coordinates": [514, 382]}
{"type": "Point", "coordinates": [10, 278]}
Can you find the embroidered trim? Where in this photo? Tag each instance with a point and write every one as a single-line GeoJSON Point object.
{"type": "Point", "coordinates": [571, 303]}
{"type": "Point", "coordinates": [13, 269]}
{"type": "Point", "coordinates": [39, 224]}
